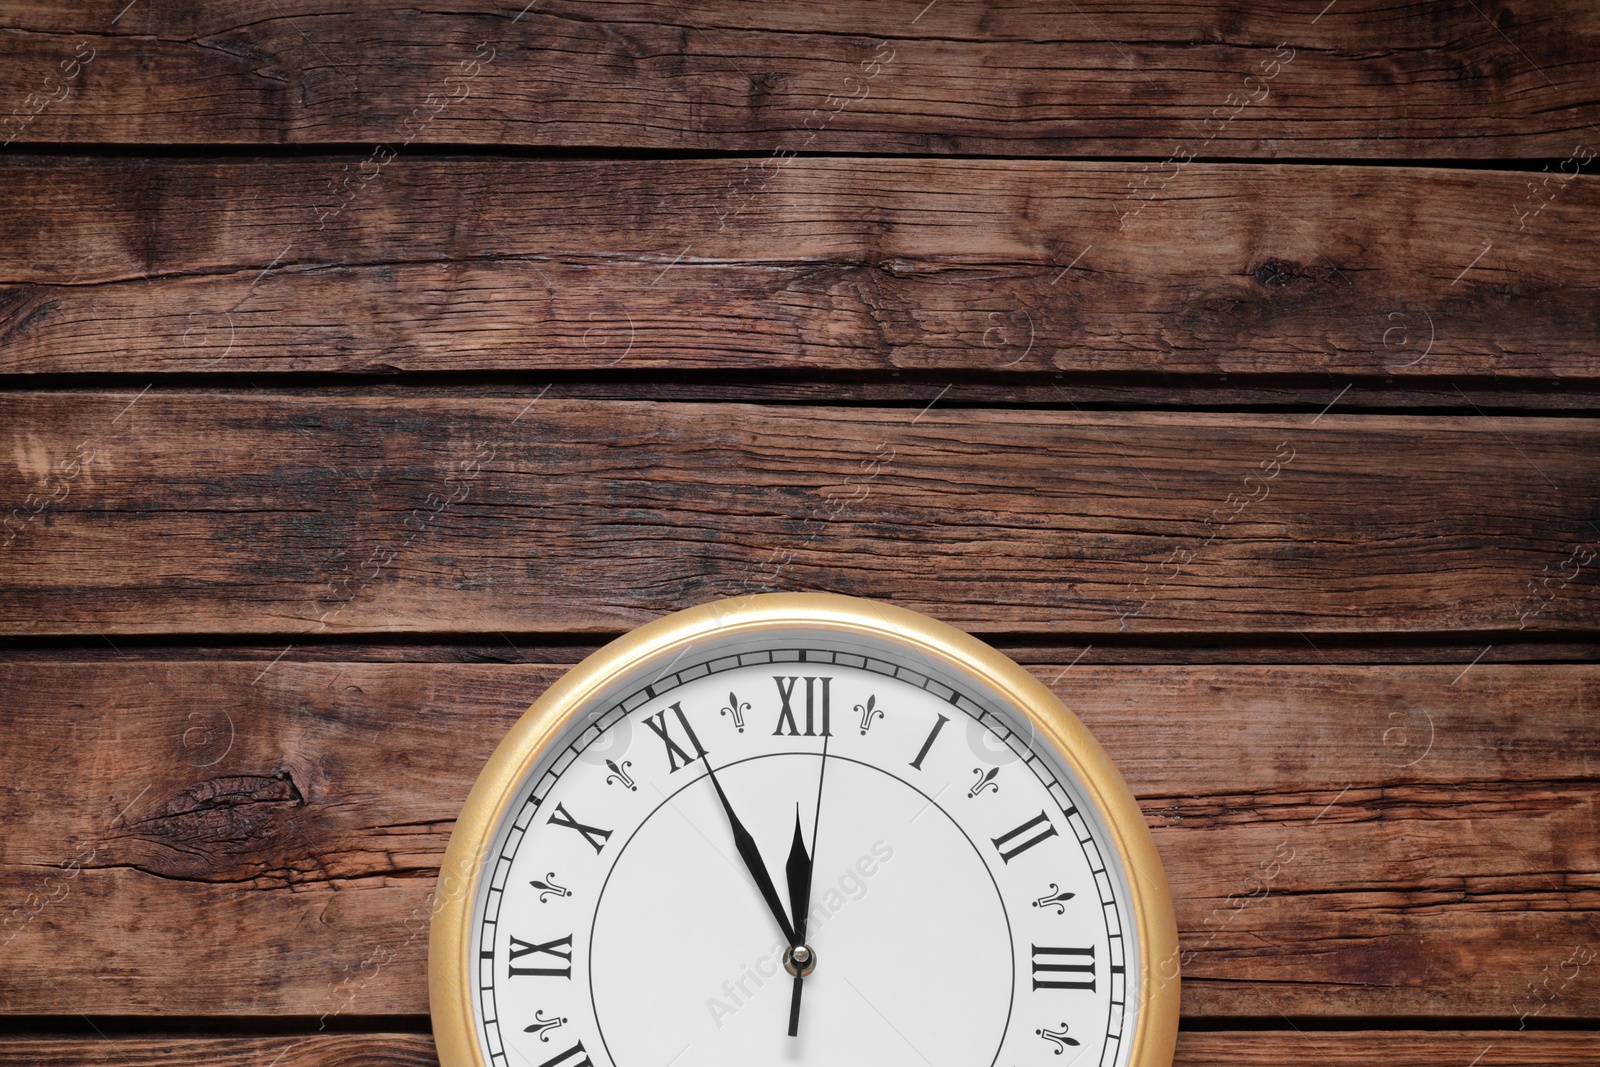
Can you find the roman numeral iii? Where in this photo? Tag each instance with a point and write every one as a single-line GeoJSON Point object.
{"type": "Point", "coordinates": [1060, 968]}
{"type": "Point", "coordinates": [560, 949]}
{"type": "Point", "coordinates": [786, 714]}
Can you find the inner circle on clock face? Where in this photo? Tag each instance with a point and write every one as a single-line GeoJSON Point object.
{"type": "Point", "coordinates": [907, 921]}
{"type": "Point", "coordinates": [963, 910]}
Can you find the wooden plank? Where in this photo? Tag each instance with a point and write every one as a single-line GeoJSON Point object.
{"type": "Point", "coordinates": [1223, 1048]}
{"type": "Point", "coordinates": [1308, 394]}
{"type": "Point", "coordinates": [268, 513]}
{"type": "Point", "coordinates": [513, 647]}
{"type": "Point", "coordinates": [321, 1050]}
{"type": "Point", "coordinates": [1198, 79]}
{"type": "Point", "coordinates": [1341, 841]}
{"type": "Point", "coordinates": [859, 265]}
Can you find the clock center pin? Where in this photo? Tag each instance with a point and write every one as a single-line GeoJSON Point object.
{"type": "Point", "coordinates": [799, 960]}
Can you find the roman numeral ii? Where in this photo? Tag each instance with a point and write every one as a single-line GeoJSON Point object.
{"type": "Point", "coordinates": [1008, 854]}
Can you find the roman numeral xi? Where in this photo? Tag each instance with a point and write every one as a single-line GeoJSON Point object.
{"type": "Point", "coordinates": [676, 756]}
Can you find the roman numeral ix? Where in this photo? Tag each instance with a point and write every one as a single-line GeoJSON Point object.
{"type": "Point", "coordinates": [560, 948]}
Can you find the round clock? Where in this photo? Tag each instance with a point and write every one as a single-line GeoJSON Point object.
{"type": "Point", "coordinates": [805, 829]}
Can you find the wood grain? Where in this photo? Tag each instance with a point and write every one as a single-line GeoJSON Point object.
{"type": "Point", "coordinates": [264, 513]}
{"type": "Point", "coordinates": [1306, 394]}
{"type": "Point", "coordinates": [962, 76]}
{"type": "Point", "coordinates": [505, 326]}
{"type": "Point", "coordinates": [858, 265]}
{"type": "Point", "coordinates": [511, 647]}
{"type": "Point", "coordinates": [1224, 1048]}
{"type": "Point", "coordinates": [1341, 841]}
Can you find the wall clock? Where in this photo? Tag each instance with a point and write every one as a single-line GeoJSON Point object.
{"type": "Point", "coordinates": [805, 829]}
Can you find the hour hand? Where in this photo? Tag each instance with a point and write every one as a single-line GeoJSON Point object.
{"type": "Point", "coordinates": [799, 874]}
{"type": "Point", "coordinates": [752, 859]}
{"type": "Point", "coordinates": [800, 960]}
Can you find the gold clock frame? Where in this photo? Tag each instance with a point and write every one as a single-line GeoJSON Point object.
{"type": "Point", "coordinates": [451, 979]}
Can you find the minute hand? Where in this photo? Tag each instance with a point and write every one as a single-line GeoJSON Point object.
{"type": "Point", "coordinates": [752, 858]}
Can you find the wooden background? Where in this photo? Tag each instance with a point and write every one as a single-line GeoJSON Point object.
{"type": "Point", "coordinates": [1234, 366]}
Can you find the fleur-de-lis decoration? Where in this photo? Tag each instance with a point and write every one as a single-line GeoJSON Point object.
{"type": "Point", "coordinates": [548, 888]}
{"type": "Point", "coordinates": [867, 711]}
{"type": "Point", "coordinates": [737, 710]}
{"type": "Point", "coordinates": [620, 774]}
{"type": "Point", "coordinates": [985, 781]}
{"type": "Point", "coordinates": [1058, 1037]}
{"type": "Point", "coordinates": [543, 1026]}
{"type": "Point", "coordinates": [1054, 899]}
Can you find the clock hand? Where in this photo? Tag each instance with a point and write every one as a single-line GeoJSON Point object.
{"type": "Point", "coordinates": [799, 872]}
{"type": "Point", "coordinates": [752, 858]}
{"type": "Point", "coordinates": [799, 869]}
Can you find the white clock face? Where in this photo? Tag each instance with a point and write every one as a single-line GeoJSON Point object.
{"type": "Point", "coordinates": [954, 890]}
